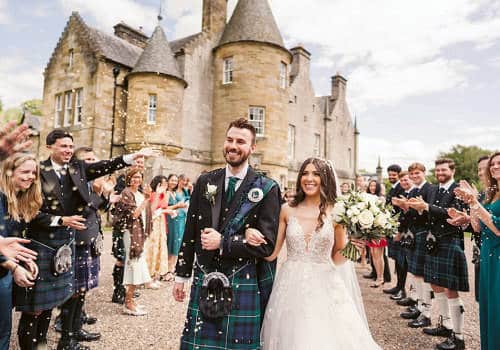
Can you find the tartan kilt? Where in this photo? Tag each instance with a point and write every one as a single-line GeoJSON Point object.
{"type": "Point", "coordinates": [448, 267]}
{"type": "Point", "coordinates": [87, 269]}
{"type": "Point", "coordinates": [118, 248]}
{"type": "Point", "coordinates": [49, 290]}
{"type": "Point", "coordinates": [394, 249]}
{"type": "Point", "coordinates": [266, 273]}
{"type": "Point", "coordinates": [416, 256]}
{"type": "Point", "coordinates": [238, 330]}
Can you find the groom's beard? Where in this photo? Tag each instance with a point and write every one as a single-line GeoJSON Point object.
{"type": "Point", "coordinates": [235, 162]}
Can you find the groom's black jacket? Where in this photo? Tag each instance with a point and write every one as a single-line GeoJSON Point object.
{"type": "Point", "coordinates": [202, 214]}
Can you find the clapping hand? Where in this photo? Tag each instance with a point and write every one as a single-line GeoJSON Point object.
{"type": "Point", "coordinates": [401, 202]}
{"type": "Point", "coordinates": [12, 248]}
{"type": "Point", "coordinates": [254, 237]}
{"type": "Point", "coordinates": [418, 204]}
{"type": "Point", "coordinates": [147, 152]}
{"type": "Point", "coordinates": [467, 193]}
{"type": "Point", "coordinates": [14, 139]}
{"type": "Point", "coordinates": [457, 217]}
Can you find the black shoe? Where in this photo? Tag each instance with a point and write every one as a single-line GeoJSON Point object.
{"type": "Point", "coordinates": [439, 331]}
{"type": "Point", "coordinates": [410, 315]}
{"type": "Point", "coordinates": [58, 324]}
{"type": "Point", "coordinates": [83, 335]}
{"type": "Point", "coordinates": [88, 319]}
{"type": "Point", "coordinates": [420, 322]}
{"type": "Point", "coordinates": [406, 302]}
{"type": "Point", "coordinates": [452, 343]}
{"type": "Point", "coordinates": [370, 276]}
{"type": "Point", "coordinates": [394, 290]}
{"type": "Point", "coordinates": [70, 344]}
{"type": "Point", "coordinates": [412, 308]}
{"type": "Point", "coordinates": [399, 295]}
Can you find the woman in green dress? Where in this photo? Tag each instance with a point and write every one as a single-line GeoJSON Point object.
{"type": "Point", "coordinates": [176, 222]}
{"type": "Point", "coordinates": [487, 218]}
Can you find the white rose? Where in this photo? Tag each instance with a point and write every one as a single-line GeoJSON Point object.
{"type": "Point", "coordinates": [361, 205]}
{"type": "Point", "coordinates": [381, 220]}
{"type": "Point", "coordinates": [349, 213]}
{"type": "Point", "coordinates": [211, 189]}
{"type": "Point", "coordinates": [338, 210]}
{"type": "Point", "coordinates": [354, 219]}
{"type": "Point", "coordinates": [366, 219]}
{"type": "Point", "coordinates": [374, 209]}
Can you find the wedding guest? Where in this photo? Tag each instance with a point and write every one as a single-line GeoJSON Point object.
{"type": "Point", "coordinates": [379, 261]}
{"type": "Point", "coordinates": [118, 249]}
{"type": "Point", "coordinates": [176, 222]}
{"type": "Point", "coordinates": [445, 263]}
{"type": "Point", "coordinates": [183, 189]}
{"type": "Point", "coordinates": [487, 218]}
{"type": "Point", "coordinates": [20, 200]}
{"type": "Point", "coordinates": [155, 247]}
{"type": "Point", "coordinates": [361, 184]}
{"type": "Point", "coordinates": [345, 188]}
{"type": "Point", "coordinates": [134, 210]}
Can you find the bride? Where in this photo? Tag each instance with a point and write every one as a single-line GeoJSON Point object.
{"type": "Point", "coordinates": [315, 302]}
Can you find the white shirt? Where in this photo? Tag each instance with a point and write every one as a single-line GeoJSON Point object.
{"type": "Point", "coordinates": [447, 185]}
{"type": "Point", "coordinates": [421, 185]}
{"type": "Point", "coordinates": [395, 184]}
{"type": "Point", "coordinates": [241, 176]}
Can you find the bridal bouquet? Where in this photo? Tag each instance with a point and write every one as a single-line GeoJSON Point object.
{"type": "Point", "coordinates": [366, 218]}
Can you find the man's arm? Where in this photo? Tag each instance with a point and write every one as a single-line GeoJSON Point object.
{"type": "Point", "coordinates": [267, 224]}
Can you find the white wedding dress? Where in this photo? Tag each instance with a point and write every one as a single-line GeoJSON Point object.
{"type": "Point", "coordinates": [315, 305]}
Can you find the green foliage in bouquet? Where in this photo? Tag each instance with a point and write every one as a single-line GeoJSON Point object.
{"type": "Point", "coordinates": [365, 217]}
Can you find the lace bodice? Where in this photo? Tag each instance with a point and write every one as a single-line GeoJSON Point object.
{"type": "Point", "coordinates": [316, 248]}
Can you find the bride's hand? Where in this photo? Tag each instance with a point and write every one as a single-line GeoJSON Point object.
{"type": "Point", "coordinates": [359, 243]}
{"type": "Point", "coordinates": [254, 237]}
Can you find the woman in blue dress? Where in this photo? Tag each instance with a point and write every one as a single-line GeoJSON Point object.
{"type": "Point", "coordinates": [176, 222]}
{"type": "Point", "coordinates": [487, 218]}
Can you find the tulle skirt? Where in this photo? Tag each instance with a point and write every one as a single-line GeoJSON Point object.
{"type": "Point", "coordinates": [310, 309]}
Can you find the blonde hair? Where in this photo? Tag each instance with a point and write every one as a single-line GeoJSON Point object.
{"type": "Point", "coordinates": [21, 204]}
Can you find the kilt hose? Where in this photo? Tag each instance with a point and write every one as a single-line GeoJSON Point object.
{"type": "Point", "coordinates": [87, 269]}
{"type": "Point", "coordinates": [448, 266]}
{"type": "Point", "coordinates": [416, 256]}
{"type": "Point", "coordinates": [238, 330]}
{"type": "Point", "coordinates": [49, 290]}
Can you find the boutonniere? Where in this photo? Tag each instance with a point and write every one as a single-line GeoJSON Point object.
{"type": "Point", "coordinates": [210, 193]}
{"type": "Point", "coordinates": [255, 195]}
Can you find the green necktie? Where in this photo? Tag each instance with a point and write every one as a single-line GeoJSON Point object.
{"type": "Point", "coordinates": [231, 188]}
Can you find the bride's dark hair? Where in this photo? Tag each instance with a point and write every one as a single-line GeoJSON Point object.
{"type": "Point", "coordinates": [328, 188]}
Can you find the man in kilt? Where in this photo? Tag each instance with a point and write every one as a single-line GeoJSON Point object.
{"type": "Point", "coordinates": [393, 246]}
{"type": "Point", "coordinates": [67, 198]}
{"type": "Point", "coordinates": [445, 262]}
{"type": "Point", "coordinates": [224, 203]}
{"type": "Point", "coordinates": [418, 227]}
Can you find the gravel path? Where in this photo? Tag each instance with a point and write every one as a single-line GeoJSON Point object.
{"type": "Point", "coordinates": [161, 328]}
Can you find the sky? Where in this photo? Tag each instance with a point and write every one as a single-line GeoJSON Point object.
{"type": "Point", "coordinates": [422, 75]}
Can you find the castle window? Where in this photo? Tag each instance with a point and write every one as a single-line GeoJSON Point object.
{"type": "Point", "coordinates": [314, 108]}
{"type": "Point", "coordinates": [256, 116]}
{"type": "Point", "coordinates": [227, 77]}
{"type": "Point", "coordinates": [317, 145]}
{"type": "Point", "coordinates": [67, 108]}
{"type": "Point", "coordinates": [78, 107]}
{"type": "Point", "coordinates": [71, 57]}
{"type": "Point", "coordinates": [58, 111]}
{"type": "Point", "coordinates": [291, 141]}
{"type": "Point", "coordinates": [350, 157]}
{"type": "Point", "coordinates": [152, 109]}
{"type": "Point", "coordinates": [283, 75]}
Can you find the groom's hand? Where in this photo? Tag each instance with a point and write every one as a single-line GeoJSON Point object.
{"type": "Point", "coordinates": [178, 292]}
{"type": "Point", "coordinates": [210, 239]}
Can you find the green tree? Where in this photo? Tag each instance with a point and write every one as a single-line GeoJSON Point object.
{"type": "Point", "coordinates": [1, 106]}
{"type": "Point", "coordinates": [33, 106]}
{"type": "Point", "coordinates": [465, 158]}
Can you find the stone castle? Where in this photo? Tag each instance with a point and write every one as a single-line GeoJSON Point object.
{"type": "Point", "coordinates": [119, 92]}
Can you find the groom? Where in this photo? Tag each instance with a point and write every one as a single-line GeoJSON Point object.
{"type": "Point", "coordinates": [224, 203]}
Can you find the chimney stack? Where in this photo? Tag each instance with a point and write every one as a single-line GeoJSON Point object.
{"type": "Point", "coordinates": [214, 16]}
{"type": "Point", "coordinates": [338, 87]}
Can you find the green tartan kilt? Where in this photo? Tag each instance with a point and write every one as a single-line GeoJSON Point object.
{"type": "Point", "coordinates": [240, 329]}
{"type": "Point", "coordinates": [416, 256]}
{"type": "Point", "coordinates": [49, 290]}
{"type": "Point", "coordinates": [448, 267]}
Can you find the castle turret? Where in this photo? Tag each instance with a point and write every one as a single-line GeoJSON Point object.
{"type": "Point", "coordinates": [155, 95]}
{"type": "Point", "coordinates": [251, 80]}
{"type": "Point", "coordinates": [379, 171]}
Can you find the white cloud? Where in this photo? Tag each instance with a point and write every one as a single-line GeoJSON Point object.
{"type": "Point", "coordinates": [25, 84]}
{"type": "Point", "coordinates": [4, 14]}
{"type": "Point", "coordinates": [395, 42]}
{"type": "Point", "coordinates": [108, 13]}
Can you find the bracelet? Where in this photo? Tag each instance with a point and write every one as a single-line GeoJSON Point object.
{"type": "Point", "coordinates": [14, 269]}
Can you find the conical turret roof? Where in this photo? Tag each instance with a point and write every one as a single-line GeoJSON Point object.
{"type": "Point", "coordinates": [252, 20]}
{"type": "Point", "coordinates": [158, 57]}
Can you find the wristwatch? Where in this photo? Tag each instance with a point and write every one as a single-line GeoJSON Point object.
{"type": "Point", "coordinates": [60, 221]}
